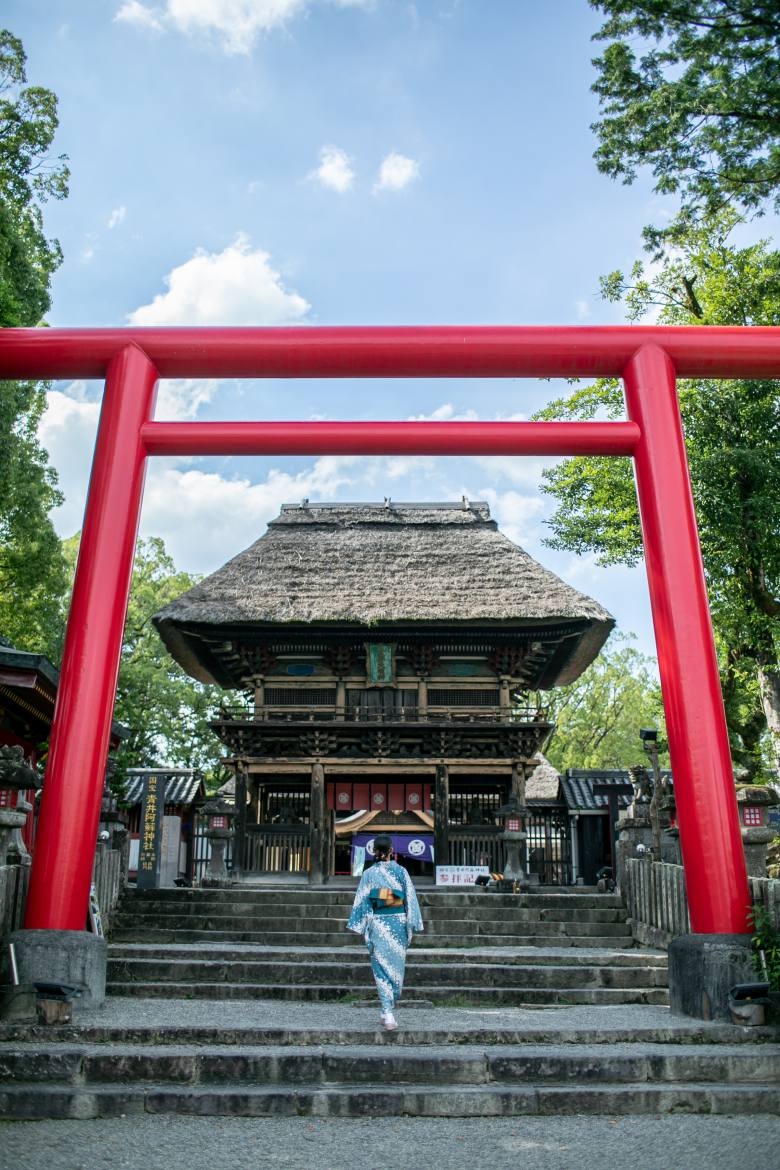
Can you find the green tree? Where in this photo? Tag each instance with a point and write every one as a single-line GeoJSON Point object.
{"type": "Point", "coordinates": [165, 711]}
{"type": "Point", "coordinates": [732, 432]}
{"type": "Point", "coordinates": [691, 88]}
{"type": "Point", "coordinates": [598, 717]}
{"type": "Point", "coordinates": [32, 571]}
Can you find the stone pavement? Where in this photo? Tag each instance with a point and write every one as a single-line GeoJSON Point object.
{"type": "Point", "coordinates": [544, 1143]}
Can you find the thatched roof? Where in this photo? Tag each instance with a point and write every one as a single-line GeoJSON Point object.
{"type": "Point", "coordinates": [544, 781]}
{"type": "Point", "coordinates": [375, 564]}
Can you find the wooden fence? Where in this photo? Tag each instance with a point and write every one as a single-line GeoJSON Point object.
{"type": "Point", "coordinates": [277, 849]}
{"type": "Point", "coordinates": [109, 875]}
{"type": "Point", "coordinates": [477, 845]}
{"type": "Point", "coordinates": [14, 880]}
{"type": "Point", "coordinates": [657, 904]}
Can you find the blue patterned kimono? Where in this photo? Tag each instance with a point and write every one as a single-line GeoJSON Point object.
{"type": "Point", "coordinates": [387, 931]}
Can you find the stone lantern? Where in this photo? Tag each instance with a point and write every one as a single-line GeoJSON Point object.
{"type": "Point", "coordinates": [512, 816]}
{"type": "Point", "coordinates": [15, 775]}
{"type": "Point", "coordinates": [754, 802]}
{"type": "Point", "coordinates": [218, 833]}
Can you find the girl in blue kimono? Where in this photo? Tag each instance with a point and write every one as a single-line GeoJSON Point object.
{"type": "Point", "coordinates": [387, 913]}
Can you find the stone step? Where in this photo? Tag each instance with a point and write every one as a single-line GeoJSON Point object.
{"type": "Point", "coordinates": [30, 1101]}
{"type": "Point", "coordinates": [303, 927]}
{"type": "Point", "coordinates": [436, 994]}
{"type": "Point", "coordinates": [212, 1024]}
{"type": "Point", "coordinates": [469, 1064]}
{"type": "Point", "coordinates": [346, 939]}
{"type": "Point", "coordinates": [186, 911]}
{"type": "Point", "coordinates": [419, 953]}
{"type": "Point", "coordinates": [285, 895]}
{"type": "Point", "coordinates": [184, 972]}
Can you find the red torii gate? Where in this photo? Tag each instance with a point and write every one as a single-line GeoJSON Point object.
{"type": "Point", "coordinates": [649, 359]}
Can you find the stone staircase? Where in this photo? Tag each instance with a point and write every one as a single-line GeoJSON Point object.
{"type": "Point", "coordinates": [477, 949]}
{"type": "Point", "coordinates": [256, 1002]}
{"type": "Point", "coordinates": [455, 1066]}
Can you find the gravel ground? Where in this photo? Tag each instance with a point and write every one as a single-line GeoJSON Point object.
{"type": "Point", "coordinates": [157, 1013]}
{"type": "Point", "coordinates": [552, 1143]}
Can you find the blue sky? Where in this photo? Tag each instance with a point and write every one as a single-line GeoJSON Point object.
{"type": "Point", "coordinates": [329, 162]}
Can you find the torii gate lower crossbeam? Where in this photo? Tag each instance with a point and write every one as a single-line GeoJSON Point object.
{"type": "Point", "coordinates": [648, 359]}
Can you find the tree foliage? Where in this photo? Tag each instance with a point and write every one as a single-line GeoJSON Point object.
{"type": "Point", "coordinates": [32, 573]}
{"type": "Point", "coordinates": [732, 431]}
{"type": "Point", "coordinates": [598, 717]}
{"type": "Point", "coordinates": [165, 711]}
{"type": "Point", "coordinates": [691, 88]}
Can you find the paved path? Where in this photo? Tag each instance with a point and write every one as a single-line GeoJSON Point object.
{"type": "Point", "coordinates": [549, 1143]}
{"type": "Point", "coordinates": [556, 1022]}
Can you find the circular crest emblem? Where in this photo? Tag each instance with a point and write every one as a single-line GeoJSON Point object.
{"type": "Point", "coordinates": [379, 798]}
{"type": "Point", "coordinates": [343, 798]}
{"type": "Point", "coordinates": [416, 847]}
{"type": "Point", "coordinates": [370, 846]}
{"type": "Point", "coordinates": [414, 798]}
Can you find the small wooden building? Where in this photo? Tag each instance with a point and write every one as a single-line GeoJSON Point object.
{"type": "Point", "coordinates": [28, 693]}
{"type": "Point", "coordinates": [384, 654]}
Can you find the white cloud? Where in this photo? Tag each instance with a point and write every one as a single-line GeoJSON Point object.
{"type": "Point", "coordinates": [182, 398]}
{"type": "Point", "coordinates": [582, 309]}
{"type": "Point", "coordinates": [116, 217]}
{"type": "Point", "coordinates": [67, 431]}
{"type": "Point", "coordinates": [396, 172]}
{"type": "Point", "coordinates": [447, 412]}
{"type": "Point", "coordinates": [234, 287]}
{"type": "Point", "coordinates": [139, 16]}
{"type": "Point", "coordinates": [234, 512]}
{"type": "Point", "coordinates": [236, 24]}
{"type": "Point", "coordinates": [335, 169]}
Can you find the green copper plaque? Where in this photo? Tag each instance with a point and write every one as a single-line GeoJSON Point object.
{"type": "Point", "coordinates": [380, 664]}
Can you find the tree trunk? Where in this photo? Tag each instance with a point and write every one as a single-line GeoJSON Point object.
{"type": "Point", "coordinates": [769, 685]}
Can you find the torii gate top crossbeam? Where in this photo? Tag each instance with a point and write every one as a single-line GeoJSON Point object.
{"type": "Point", "coordinates": [474, 351]}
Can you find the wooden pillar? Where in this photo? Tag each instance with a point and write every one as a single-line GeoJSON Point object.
{"type": "Point", "coordinates": [441, 808]}
{"type": "Point", "coordinates": [259, 697]}
{"type": "Point", "coordinates": [341, 699]}
{"type": "Point", "coordinates": [239, 823]}
{"type": "Point", "coordinates": [504, 699]}
{"type": "Point", "coordinates": [517, 788]}
{"type": "Point", "coordinates": [422, 697]}
{"type": "Point", "coordinates": [318, 829]}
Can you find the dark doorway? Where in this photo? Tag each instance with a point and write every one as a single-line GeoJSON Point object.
{"type": "Point", "coordinates": [594, 850]}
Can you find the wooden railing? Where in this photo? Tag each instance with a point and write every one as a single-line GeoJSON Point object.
{"type": "Point", "coordinates": [14, 880]}
{"type": "Point", "coordinates": [316, 714]}
{"type": "Point", "coordinates": [276, 849]}
{"type": "Point", "coordinates": [108, 875]}
{"type": "Point", "coordinates": [477, 845]}
{"type": "Point", "coordinates": [657, 904]}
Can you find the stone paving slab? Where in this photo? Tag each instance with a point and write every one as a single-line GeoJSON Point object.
{"type": "Point", "coordinates": [549, 1143]}
{"type": "Point", "coordinates": [563, 1024]}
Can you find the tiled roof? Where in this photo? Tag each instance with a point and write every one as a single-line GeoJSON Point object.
{"type": "Point", "coordinates": [181, 787]}
{"type": "Point", "coordinates": [577, 786]}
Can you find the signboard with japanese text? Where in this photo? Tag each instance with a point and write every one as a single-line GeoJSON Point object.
{"type": "Point", "coordinates": [380, 664]}
{"type": "Point", "coordinates": [459, 875]}
{"type": "Point", "coordinates": [150, 842]}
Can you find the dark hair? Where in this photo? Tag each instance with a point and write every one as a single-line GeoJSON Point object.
{"type": "Point", "coordinates": [383, 845]}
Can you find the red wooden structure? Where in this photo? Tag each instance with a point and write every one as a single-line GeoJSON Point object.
{"type": "Point", "coordinates": [648, 359]}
